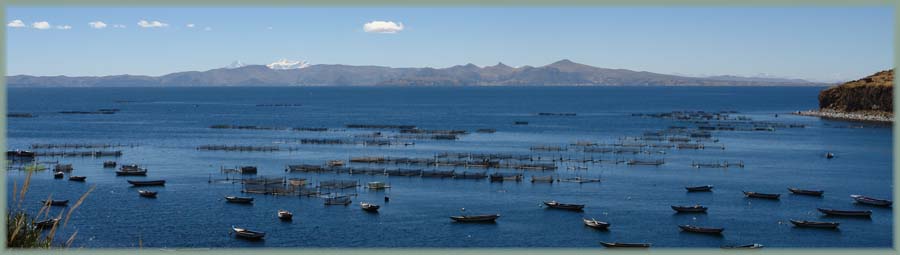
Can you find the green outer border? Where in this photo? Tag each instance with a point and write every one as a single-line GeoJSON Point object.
{"type": "Point", "coordinates": [434, 3]}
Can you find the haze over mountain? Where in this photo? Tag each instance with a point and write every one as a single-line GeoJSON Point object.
{"type": "Point", "coordinates": [300, 73]}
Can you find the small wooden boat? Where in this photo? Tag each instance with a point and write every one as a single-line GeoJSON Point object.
{"type": "Point", "coordinates": [147, 193]}
{"type": "Point", "coordinates": [814, 224]}
{"type": "Point", "coordinates": [147, 183]}
{"type": "Point", "coordinates": [829, 155]}
{"type": "Point", "coordinates": [239, 200]}
{"type": "Point", "coordinates": [596, 224]}
{"type": "Point", "coordinates": [558, 205]}
{"type": "Point", "coordinates": [285, 215]}
{"type": "Point", "coordinates": [833, 212]}
{"type": "Point", "coordinates": [625, 245]}
{"type": "Point", "coordinates": [761, 195]}
{"type": "Point", "coordinates": [109, 164]}
{"type": "Point", "coordinates": [377, 185]}
{"type": "Point", "coordinates": [817, 193]}
{"type": "Point", "coordinates": [690, 208]}
{"type": "Point", "coordinates": [746, 246]}
{"type": "Point", "coordinates": [699, 188]}
{"type": "Point", "coordinates": [45, 223]}
{"type": "Point", "coordinates": [871, 201]}
{"type": "Point", "coordinates": [476, 218]}
{"type": "Point", "coordinates": [369, 207]}
{"type": "Point", "coordinates": [56, 202]}
{"type": "Point", "coordinates": [136, 172]}
{"type": "Point", "coordinates": [702, 230]}
{"type": "Point", "coordinates": [248, 234]}
{"type": "Point", "coordinates": [77, 178]}
{"type": "Point", "coordinates": [335, 163]}
{"type": "Point", "coordinates": [58, 175]}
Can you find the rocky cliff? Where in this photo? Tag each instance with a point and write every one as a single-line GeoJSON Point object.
{"type": "Point", "coordinates": [874, 93]}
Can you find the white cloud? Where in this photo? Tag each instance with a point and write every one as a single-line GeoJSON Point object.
{"type": "Point", "coordinates": [118, 26]}
{"type": "Point", "coordinates": [207, 29]}
{"type": "Point", "coordinates": [97, 24]}
{"type": "Point", "coordinates": [16, 23]}
{"type": "Point", "coordinates": [64, 27]}
{"type": "Point", "coordinates": [190, 25]}
{"type": "Point", "coordinates": [41, 25]}
{"type": "Point", "coordinates": [268, 28]}
{"type": "Point", "coordinates": [384, 27]}
{"type": "Point", "coordinates": [151, 24]}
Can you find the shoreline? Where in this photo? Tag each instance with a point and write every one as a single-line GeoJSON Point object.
{"type": "Point", "coordinates": [882, 117]}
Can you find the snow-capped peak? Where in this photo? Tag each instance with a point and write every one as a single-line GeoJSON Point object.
{"type": "Point", "coordinates": [235, 64]}
{"type": "Point", "coordinates": [285, 64]}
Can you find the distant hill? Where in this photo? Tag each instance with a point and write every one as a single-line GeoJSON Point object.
{"type": "Point", "coordinates": [560, 73]}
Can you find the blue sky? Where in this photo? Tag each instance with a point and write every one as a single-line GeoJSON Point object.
{"type": "Point", "coordinates": [825, 44]}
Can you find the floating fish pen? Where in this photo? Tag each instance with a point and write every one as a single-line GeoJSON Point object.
{"type": "Point", "coordinates": [376, 143]}
{"type": "Point", "coordinates": [692, 146]}
{"type": "Point", "coordinates": [486, 130]}
{"type": "Point", "coordinates": [403, 172]}
{"type": "Point", "coordinates": [62, 168]}
{"type": "Point", "coordinates": [426, 137]}
{"type": "Point", "coordinates": [520, 123]}
{"type": "Point", "coordinates": [322, 141]}
{"type": "Point", "coordinates": [335, 163]}
{"type": "Point", "coordinates": [297, 181]}
{"type": "Point", "coordinates": [239, 148]}
{"type": "Point", "coordinates": [470, 175]}
{"type": "Point", "coordinates": [19, 155]}
{"type": "Point", "coordinates": [635, 162]}
{"type": "Point", "coordinates": [724, 164]}
{"type": "Point", "coordinates": [556, 114]}
{"type": "Point", "coordinates": [380, 126]}
{"type": "Point", "coordinates": [95, 154]}
{"type": "Point", "coordinates": [548, 148]}
{"type": "Point", "coordinates": [377, 185]}
{"type": "Point", "coordinates": [662, 145]}
{"type": "Point", "coordinates": [368, 160]}
{"type": "Point", "coordinates": [584, 143]}
{"type": "Point", "coordinates": [77, 146]}
{"type": "Point", "coordinates": [304, 168]}
{"type": "Point", "coordinates": [100, 111]}
{"type": "Point", "coordinates": [19, 115]}
{"type": "Point", "coordinates": [338, 184]}
{"type": "Point", "coordinates": [580, 180]}
{"type": "Point", "coordinates": [436, 131]}
{"type": "Point", "coordinates": [278, 105]}
{"type": "Point", "coordinates": [541, 167]}
{"type": "Point", "coordinates": [266, 185]}
{"type": "Point", "coordinates": [250, 127]}
{"type": "Point", "coordinates": [438, 174]}
{"type": "Point", "coordinates": [500, 177]}
{"type": "Point", "coordinates": [310, 129]}
{"type": "Point", "coordinates": [547, 179]}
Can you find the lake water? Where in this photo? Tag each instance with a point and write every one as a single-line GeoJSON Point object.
{"type": "Point", "coordinates": [168, 124]}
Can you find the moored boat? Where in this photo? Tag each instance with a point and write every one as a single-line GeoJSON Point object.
{"type": "Point", "coordinates": [814, 224]}
{"type": "Point", "coordinates": [77, 178]}
{"type": "Point", "coordinates": [558, 205]}
{"type": "Point", "coordinates": [871, 201]}
{"type": "Point", "coordinates": [369, 207]}
{"type": "Point", "coordinates": [797, 191]}
{"type": "Point", "coordinates": [745, 246]}
{"type": "Point", "coordinates": [147, 183]}
{"type": "Point", "coordinates": [476, 218]}
{"type": "Point", "coordinates": [596, 224]}
{"type": "Point", "coordinates": [58, 175]}
{"type": "Point", "coordinates": [699, 188]}
{"type": "Point", "coordinates": [45, 223]}
{"type": "Point", "coordinates": [761, 195]}
{"type": "Point", "coordinates": [239, 200]}
{"type": "Point", "coordinates": [625, 245]}
{"type": "Point", "coordinates": [338, 200]}
{"type": "Point", "coordinates": [56, 202]}
{"type": "Point", "coordinates": [702, 230]}
{"type": "Point", "coordinates": [833, 212]}
{"type": "Point", "coordinates": [131, 170]}
{"type": "Point", "coordinates": [689, 208]}
{"type": "Point", "coordinates": [63, 168]}
{"type": "Point", "coordinates": [147, 193]}
{"type": "Point", "coordinates": [285, 215]}
{"type": "Point", "coordinates": [548, 178]}
{"type": "Point", "coordinates": [109, 164]}
{"type": "Point", "coordinates": [248, 234]}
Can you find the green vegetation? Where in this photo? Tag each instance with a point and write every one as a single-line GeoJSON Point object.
{"type": "Point", "coordinates": [23, 230]}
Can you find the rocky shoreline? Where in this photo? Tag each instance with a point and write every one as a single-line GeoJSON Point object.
{"type": "Point", "coordinates": [871, 116]}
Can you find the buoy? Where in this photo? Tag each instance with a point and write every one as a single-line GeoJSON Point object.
{"type": "Point", "coordinates": [386, 199]}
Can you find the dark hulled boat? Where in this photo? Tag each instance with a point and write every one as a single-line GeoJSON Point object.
{"type": "Point", "coordinates": [690, 208]}
{"type": "Point", "coordinates": [871, 201]}
{"type": "Point", "coordinates": [761, 195]}
{"type": "Point", "coordinates": [369, 207]}
{"type": "Point", "coordinates": [56, 202]}
{"type": "Point", "coordinates": [77, 178]}
{"type": "Point", "coordinates": [699, 188]}
{"type": "Point", "coordinates": [109, 164]}
{"type": "Point", "coordinates": [285, 215]}
{"type": "Point", "coordinates": [248, 234]}
{"type": "Point", "coordinates": [814, 224]}
{"type": "Point", "coordinates": [745, 246]}
{"type": "Point", "coordinates": [147, 183]}
{"type": "Point", "coordinates": [625, 245]}
{"type": "Point", "coordinates": [45, 223]}
{"type": "Point", "coordinates": [147, 193]}
{"type": "Point", "coordinates": [833, 212]}
{"type": "Point", "coordinates": [58, 175]}
{"type": "Point", "coordinates": [817, 193]}
{"type": "Point", "coordinates": [558, 205]}
{"type": "Point", "coordinates": [476, 218]}
{"type": "Point", "coordinates": [239, 200]}
{"type": "Point", "coordinates": [701, 230]}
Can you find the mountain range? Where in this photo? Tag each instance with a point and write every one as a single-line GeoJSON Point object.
{"type": "Point", "coordinates": [286, 73]}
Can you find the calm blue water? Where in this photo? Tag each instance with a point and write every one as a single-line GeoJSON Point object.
{"type": "Point", "coordinates": [169, 123]}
